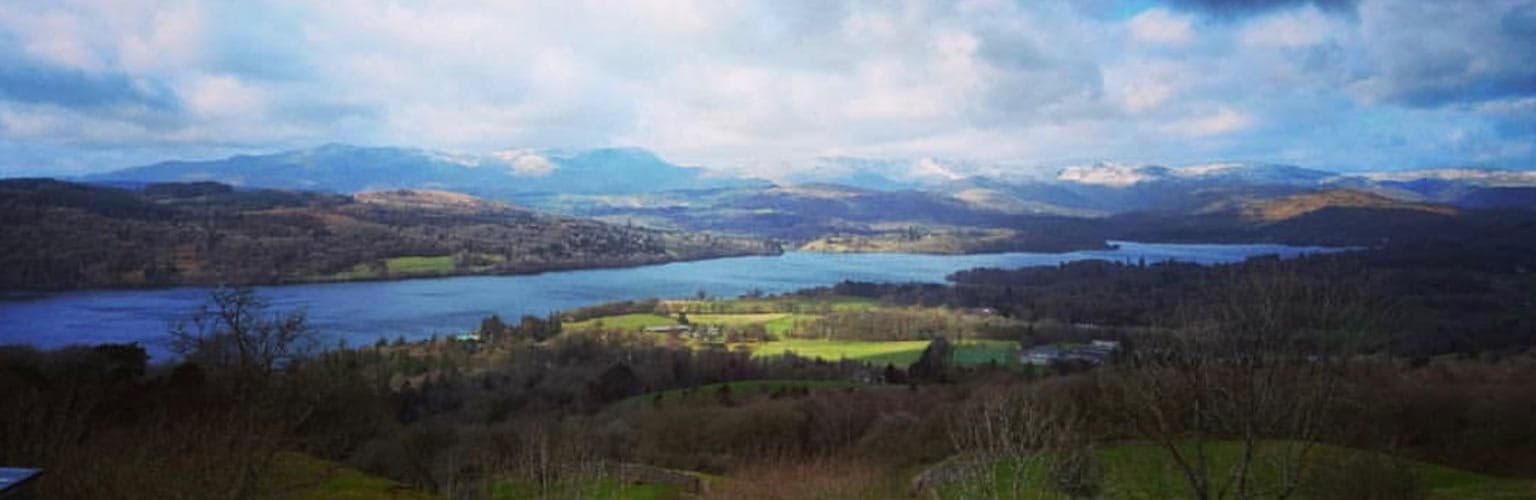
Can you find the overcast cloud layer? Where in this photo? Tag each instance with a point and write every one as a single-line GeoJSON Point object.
{"type": "Point", "coordinates": [91, 85]}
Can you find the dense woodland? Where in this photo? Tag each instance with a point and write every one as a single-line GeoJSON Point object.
{"type": "Point", "coordinates": [1466, 297]}
{"type": "Point", "coordinates": [63, 235]}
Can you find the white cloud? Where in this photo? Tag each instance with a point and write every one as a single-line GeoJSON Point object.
{"type": "Point", "coordinates": [173, 39]}
{"type": "Point", "coordinates": [742, 82]}
{"type": "Point", "coordinates": [53, 36]}
{"type": "Point", "coordinates": [1299, 28]}
{"type": "Point", "coordinates": [1224, 120]}
{"type": "Point", "coordinates": [1144, 85]}
{"type": "Point", "coordinates": [1161, 26]}
{"type": "Point", "coordinates": [224, 96]}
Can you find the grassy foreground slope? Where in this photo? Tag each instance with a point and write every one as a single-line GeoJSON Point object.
{"type": "Point", "coordinates": [303, 477]}
{"type": "Point", "coordinates": [1144, 471]}
{"type": "Point", "coordinates": [607, 489]}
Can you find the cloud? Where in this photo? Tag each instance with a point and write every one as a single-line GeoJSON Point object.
{"type": "Point", "coordinates": [1144, 85]}
{"type": "Point", "coordinates": [1221, 121]}
{"type": "Point", "coordinates": [1159, 26]}
{"type": "Point", "coordinates": [225, 96]}
{"type": "Point", "coordinates": [742, 84]}
{"type": "Point", "coordinates": [30, 81]}
{"type": "Point", "coordinates": [1434, 54]}
{"type": "Point", "coordinates": [1238, 9]}
{"type": "Point", "coordinates": [1297, 28]}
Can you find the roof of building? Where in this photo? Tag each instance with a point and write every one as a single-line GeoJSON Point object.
{"type": "Point", "coordinates": [1044, 350]}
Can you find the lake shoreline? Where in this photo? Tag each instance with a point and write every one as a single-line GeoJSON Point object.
{"type": "Point", "coordinates": [363, 311]}
{"type": "Point", "coordinates": [527, 271]}
{"type": "Point", "coordinates": [297, 281]}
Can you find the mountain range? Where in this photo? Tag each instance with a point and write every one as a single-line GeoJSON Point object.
{"type": "Point", "coordinates": [928, 206]}
{"type": "Point", "coordinates": [549, 178]}
{"type": "Point", "coordinates": [504, 175]}
{"type": "Point", "coordinates": [347, 212]}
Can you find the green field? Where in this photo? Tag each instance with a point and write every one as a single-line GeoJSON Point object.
{"type": "Point", "coordinates": [419, 265]}
{"type": "Point", "coordinates": [978, 352]}
{"type": "Point", "coordinates": [776, 304]}
{"type": "Point", "coordinates": [300, 476]}
{"type": "Point", "coordinates": [357, 272]}
{"type": "Point", "coordinates": [626, 322]}
{"type": "Point", "coordinates": [900, 352]}
{"type": "Point", "coordinates": [770, 313]}
{"type": "Point", "coordinates": [607, 489]}
{"type": "Point", "coordinates": [777, 324]}
{"type": "Point", "coordinates": [1144, 471]}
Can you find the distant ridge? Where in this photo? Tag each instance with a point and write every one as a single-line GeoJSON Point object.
{"type": "Point", "coordinates": [503, 175]}
{"type": "Point", "coordinates": [1297, 205]}
{"type": "Point", "coordinates": [540, 178]}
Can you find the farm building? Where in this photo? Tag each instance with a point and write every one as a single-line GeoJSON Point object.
{"type": "Point", "coordinates": [1040, 355]}
{"type": "Point", "coordinates": [1096, 352]}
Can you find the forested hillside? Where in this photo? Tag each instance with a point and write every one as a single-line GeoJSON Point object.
{"type": "Point", "coordinates": [58, 235]}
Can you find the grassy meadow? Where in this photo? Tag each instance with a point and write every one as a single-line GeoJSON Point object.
{"type": "Point", "coordinates": [1145, 471]}
{"type": "Point", "coordinates": [304, 477]}
{"type": "Point", "coordinates": [804, 327]}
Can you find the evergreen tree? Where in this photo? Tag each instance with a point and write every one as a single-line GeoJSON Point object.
{"type": "Point", "coordinates": [933, 365]}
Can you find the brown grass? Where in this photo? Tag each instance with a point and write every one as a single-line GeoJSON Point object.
{"type": "Point", "coordinates": [1302, 204]}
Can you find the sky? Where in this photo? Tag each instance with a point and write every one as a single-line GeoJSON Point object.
{"type": "Point", "coordinates": [1367, 85]}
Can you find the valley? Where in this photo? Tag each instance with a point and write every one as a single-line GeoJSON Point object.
{"type": "Point", "coordinates": [768, 250]}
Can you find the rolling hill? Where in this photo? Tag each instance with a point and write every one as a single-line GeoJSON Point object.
{"type": "Point", "coordinates": [64, 235]}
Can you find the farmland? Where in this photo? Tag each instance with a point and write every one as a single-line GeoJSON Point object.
{"type": "Point", "coordinates": [897, 352]}
{"type": "Point", "coordinates": [830, 328]}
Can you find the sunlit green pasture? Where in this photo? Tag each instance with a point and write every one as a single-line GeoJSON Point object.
{"type": "Point", "coordinates": [899, 352]}
{"type": "Point", "coordinates": [624, 322]}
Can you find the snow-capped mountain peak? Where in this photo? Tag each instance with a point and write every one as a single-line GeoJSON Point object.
{"type": "Point", "coordinates": [1474, 176]}
{"type": "Point", "coordinates": [1112, 174]}
{"type": "Point", "coordinates": [1124, 175]}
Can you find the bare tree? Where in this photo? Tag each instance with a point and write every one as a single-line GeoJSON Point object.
{"type": "Point", "coordinates": [1260, 367]}
{"type": "Point", "coordinates": [1000, 439]}
{"type": "Point", "coordinates": [235, 331]}
{"type": "Point", "coordinates": [244, 348]}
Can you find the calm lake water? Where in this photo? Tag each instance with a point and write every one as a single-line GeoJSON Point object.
{"type": "Point", "coordinates": [362, 312]}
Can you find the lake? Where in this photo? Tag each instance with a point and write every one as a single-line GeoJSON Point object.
{"type": "Point", "coordinates": [362, 312]}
